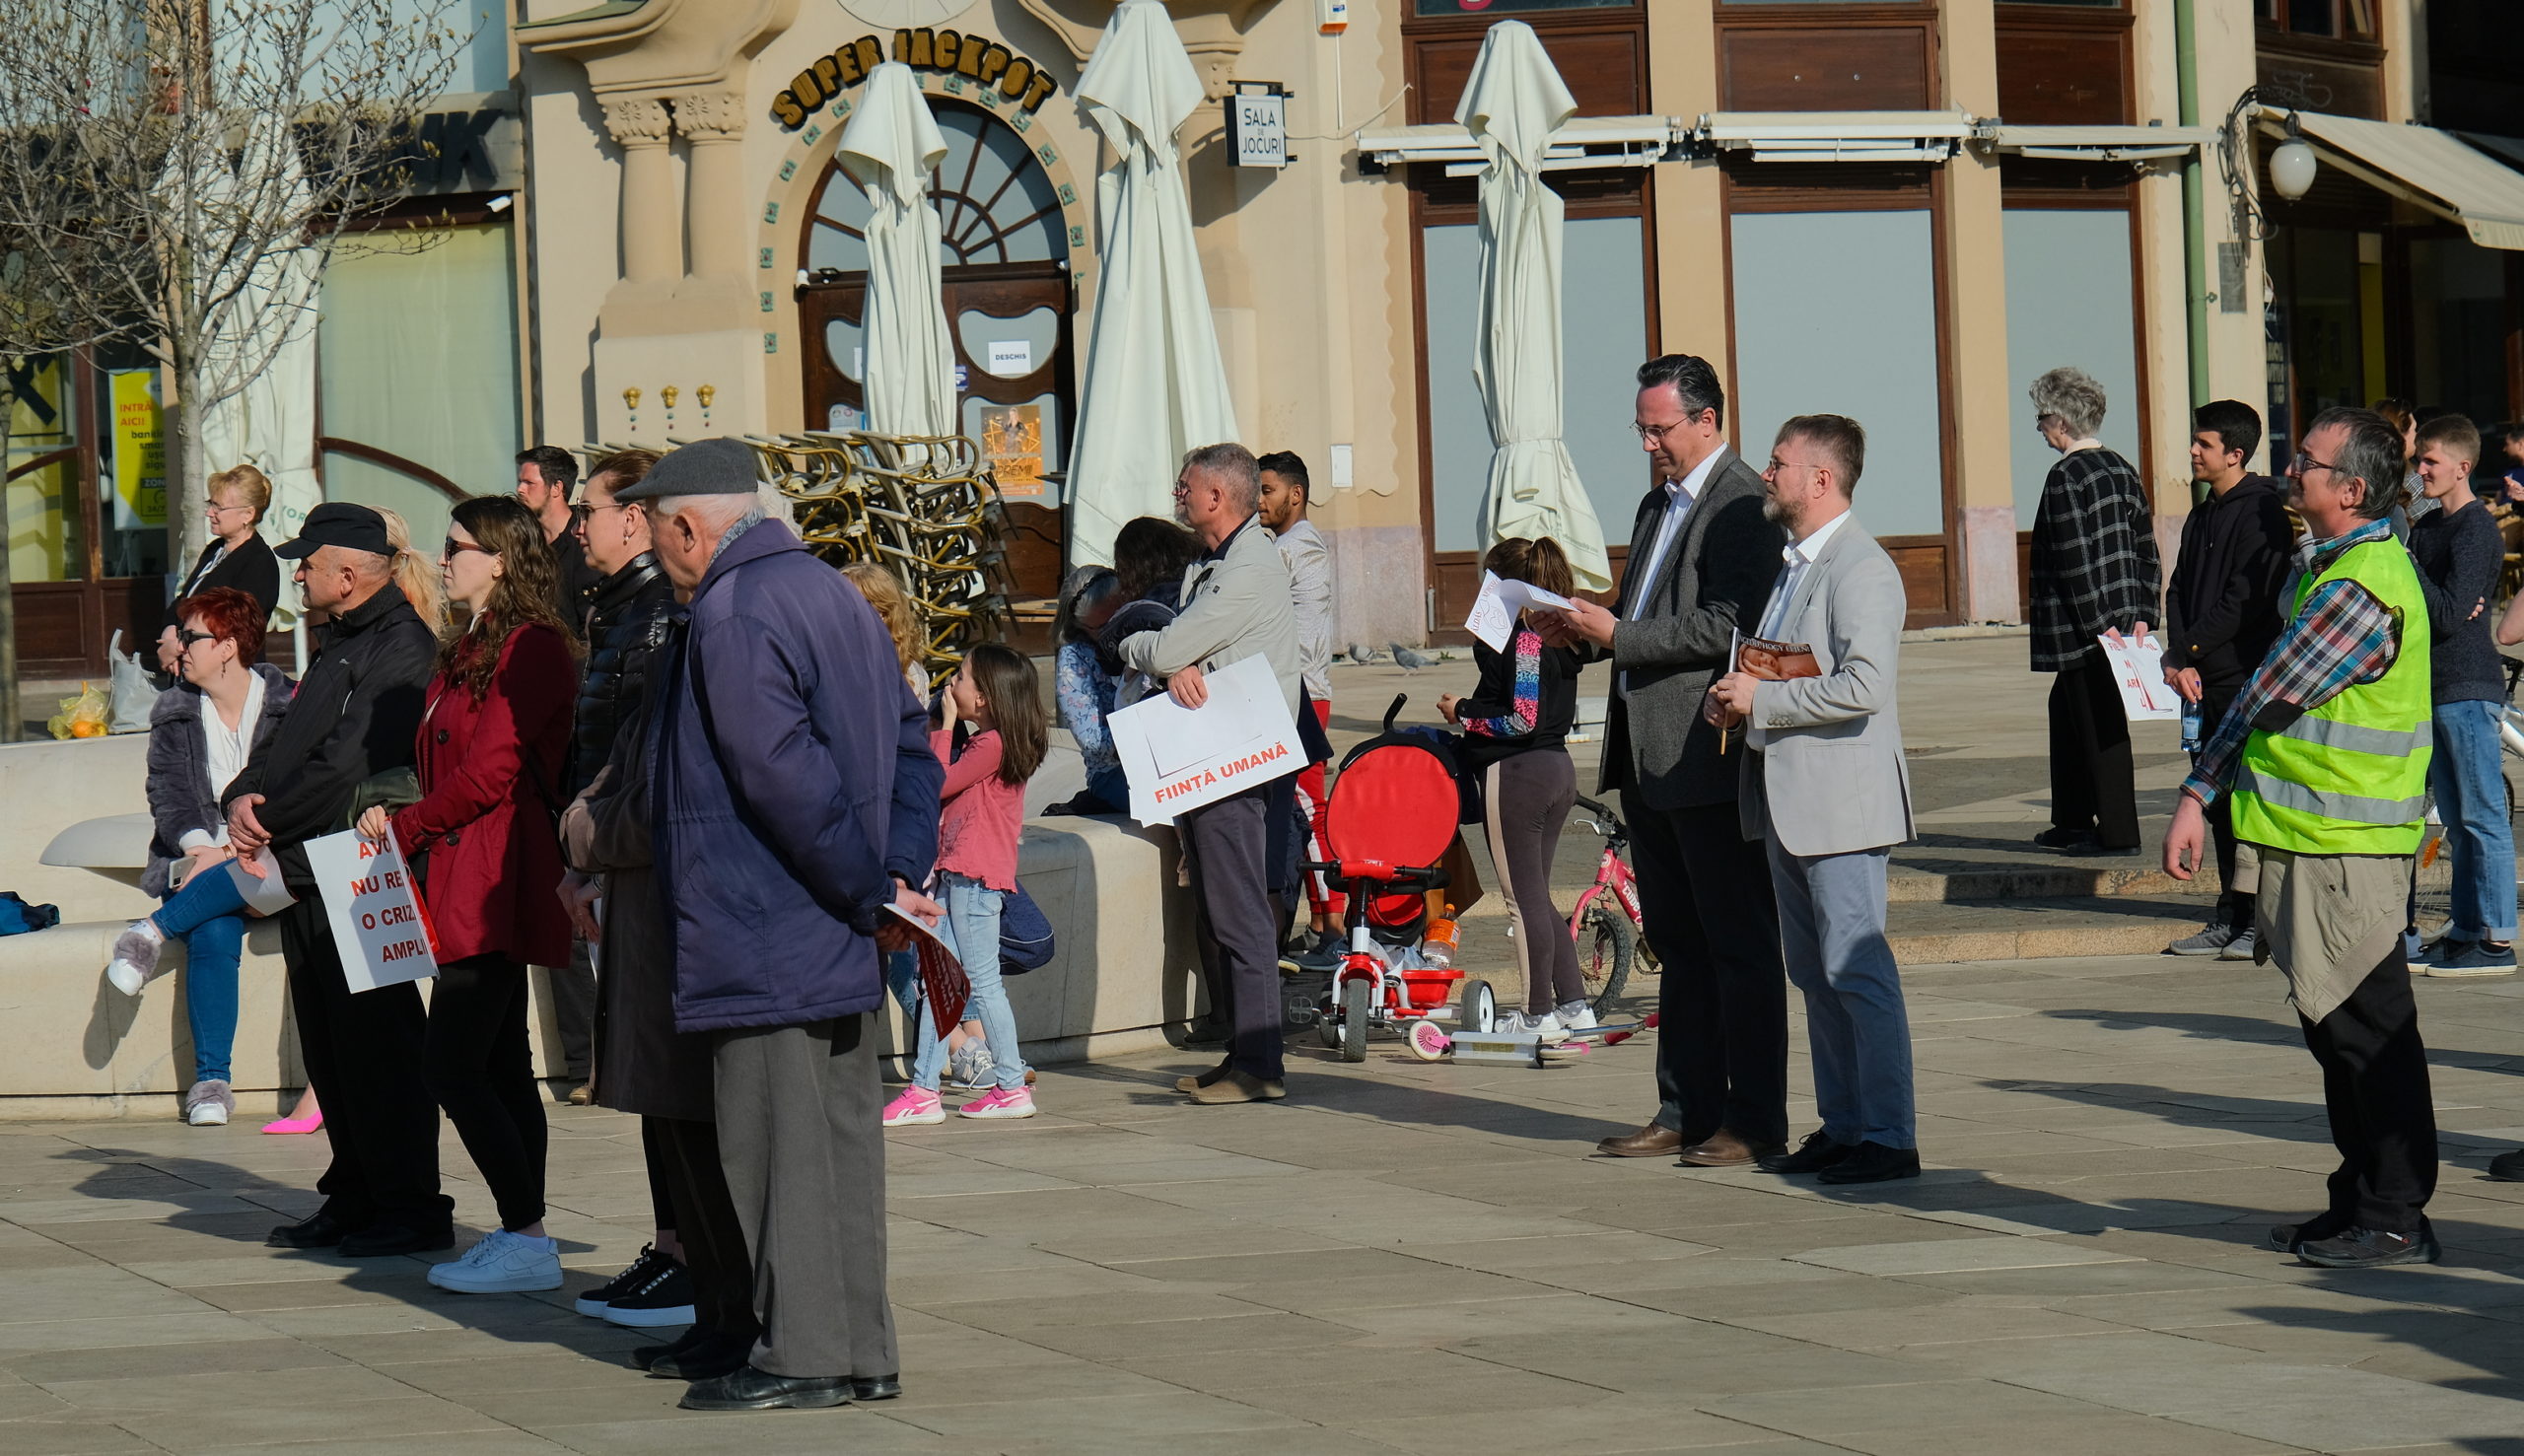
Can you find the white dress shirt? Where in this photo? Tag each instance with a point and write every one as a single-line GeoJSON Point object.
{"type": "Point", "coordinates": [1800, 558]}
{"type": "Point", "coordinates": [228, 749]}
{"type": "Point", "coordinates": [1679, 496]}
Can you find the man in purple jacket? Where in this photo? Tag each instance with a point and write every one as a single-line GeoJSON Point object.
{"type": "Point", "coordinates": [794, 799]}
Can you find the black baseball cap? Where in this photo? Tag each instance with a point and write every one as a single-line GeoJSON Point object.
{"type": "Point", "coordinates": [353, 527]}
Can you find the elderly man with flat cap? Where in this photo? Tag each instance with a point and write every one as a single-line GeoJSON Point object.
{"type": "Point", "coordinates": [355, 715]}
{"type": "Point", "coordinates": [794, 799]}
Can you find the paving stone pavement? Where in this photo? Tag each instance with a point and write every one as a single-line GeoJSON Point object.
{"type": "Point", "coordinates": [1401, 1257]}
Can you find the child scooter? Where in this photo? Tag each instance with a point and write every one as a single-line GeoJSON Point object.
{"type": "Point", "coordinates": [1431, 1042]}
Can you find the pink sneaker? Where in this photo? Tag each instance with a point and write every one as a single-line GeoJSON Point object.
{"type": "Point", "coordinates": [916, 1107]}
{"type": "Point", "coordinates": [1000, 1102]}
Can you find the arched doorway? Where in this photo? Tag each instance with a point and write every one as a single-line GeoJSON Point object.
{"type": "Point", "coordinates": [1007, 285]}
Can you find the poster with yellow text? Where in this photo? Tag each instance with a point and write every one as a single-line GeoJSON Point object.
{"type": "Point", "coordinates": [140, 450]}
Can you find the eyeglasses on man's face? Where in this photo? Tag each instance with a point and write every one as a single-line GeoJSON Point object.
{"type": "Point", "coordinates": [2304, 462]}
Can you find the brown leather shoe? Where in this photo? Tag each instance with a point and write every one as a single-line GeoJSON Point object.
{"type": "Point", "coordinates": [1237, 1086]}
{"type": "Point", "coordinates": [1724, 1149]}
{"type": "Point", "coordinates": [1653, 1141]}
{"type": "Point", "coordinates": [1208, 1078]}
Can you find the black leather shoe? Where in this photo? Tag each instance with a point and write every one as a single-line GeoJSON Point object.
{"type": "Point", "coordinates": [749, 1389]}
{"type": "Point", "coordinates": [645, 1357]}
{"type": "Point", "coordinates": [380, 1239]}
{"type": "Point", "coordinates": [322, 1231]}
{"type": "Point", "coordinates": [1817, 1152]}
{"type": "Point", "coordinates": [876, 1387]}
{"type": "Point", "coordinates": [710, 1357]}
{"type": "Point", "coordinates": [1872, 1162]}
{"type": "Point", "coordinates": [2370, 1248]}
{"type": "Point", "coordinates": [2056, 838]}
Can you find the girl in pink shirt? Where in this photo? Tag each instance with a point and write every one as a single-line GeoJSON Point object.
{"type": "Point", "coordinates": [982, 812]}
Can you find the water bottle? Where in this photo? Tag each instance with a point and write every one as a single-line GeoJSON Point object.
{"type": "Point", "coordinates": [2189, 728]}
{"type": "Point", "coordinates": [1437, 946]}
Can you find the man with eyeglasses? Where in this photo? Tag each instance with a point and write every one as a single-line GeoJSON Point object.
{"type": "Point", "coordinates": [2324, 760]}
{"type": "Point", "coordinates": [1702, 559]}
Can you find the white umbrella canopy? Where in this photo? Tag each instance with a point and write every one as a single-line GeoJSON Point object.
{"type": "Point", "coordinates": [1153, 386]}
{"type": "Point", "coordinates": [890, 148]}
{"type": "Point", "coordinates": [1512, 103]}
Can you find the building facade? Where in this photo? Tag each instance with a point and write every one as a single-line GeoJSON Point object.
{"type": "Point", "coordinates": [1900, 210]}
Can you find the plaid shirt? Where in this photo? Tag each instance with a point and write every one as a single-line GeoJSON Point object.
{"type": "Point", "coordinates": [2095, 559]}
{"type": "Point", "coordinates": [2342, 637]}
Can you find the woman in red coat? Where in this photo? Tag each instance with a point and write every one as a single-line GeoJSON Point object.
{"type": "Point", "coordinates": [493, 739]}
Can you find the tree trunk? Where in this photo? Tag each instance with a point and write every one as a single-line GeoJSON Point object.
{"type": "Point", "coordinates": [187, 475]}
{"type": "Point", "coordinates": [12, 715]}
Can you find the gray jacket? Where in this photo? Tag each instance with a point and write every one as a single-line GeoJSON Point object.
{"type": "Point", "coordinates": [181, 798]}
{"type": "Point", "coordinates": [1713, 584]}
{"type": "Point", "coordinates": [1831, 763]}
{"type": "Point", "coordinates": [1235, 602]}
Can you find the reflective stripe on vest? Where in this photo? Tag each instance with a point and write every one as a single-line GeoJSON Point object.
{"type": "Point", "coordinates": [2349, 777]}
{"type": "Point", "coordinates": [2352, 807]}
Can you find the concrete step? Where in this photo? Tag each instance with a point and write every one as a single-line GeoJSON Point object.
{"type": "Point", "coordinates": [2040, 928]}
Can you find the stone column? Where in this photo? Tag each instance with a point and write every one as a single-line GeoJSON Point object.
{"type": "Point", "coordinates": [1984, 405]}
{"type": "Point", "coordinates": [652, 234]}
{"type": "Point", "coordinates": [713, 123]}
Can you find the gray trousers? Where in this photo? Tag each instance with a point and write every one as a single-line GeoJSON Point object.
{"type": "Point", "coordinates": [1228, 842]}
{"type": "Point", "coordinates": [574, 1007]}
{"type": "Point", "coordinates": [1831, 927]}
{"type": "Point", "coordinates": [801, 1138]}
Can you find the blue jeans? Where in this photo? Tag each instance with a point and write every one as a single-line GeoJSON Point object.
{"type": "Point", "coordinates": [2466, 775]}
{"type": "Point", "coordinates": [972, 919]}
{"type": "Point", "coordinates": [1831, 927]}
{"type": "Point", "coordinates": [207, 916]}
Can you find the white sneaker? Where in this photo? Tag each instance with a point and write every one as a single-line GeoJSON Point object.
{"type": "Point", "coordinates": [209, 1104]}
{"type": "Point", "coordinates": [503, 1263]}
{"type": "Point", "coordinates": [1576, 1015]}
{"type": "Point", "coordinates": [1545, 1025]}
{"type": "Point", "coordinates": [135, 957]}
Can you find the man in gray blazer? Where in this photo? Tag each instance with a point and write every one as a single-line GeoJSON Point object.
{"type": "Point", "coordinates": [1701, 559]}
{"type": "Point", "coordinates": [1825, 782]}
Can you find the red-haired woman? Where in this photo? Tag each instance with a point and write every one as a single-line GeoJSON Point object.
{"type": "Point", "coordinates": [201, 731]}
{"type": "Point", "coordinates": [493, 740]}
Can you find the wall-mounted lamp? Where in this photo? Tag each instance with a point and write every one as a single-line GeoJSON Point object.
{"type": "Point", "coordinates": [2293, 164]}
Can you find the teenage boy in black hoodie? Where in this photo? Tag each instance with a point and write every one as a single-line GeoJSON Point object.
{"type": "Point", "coordinates": [2221, 614]}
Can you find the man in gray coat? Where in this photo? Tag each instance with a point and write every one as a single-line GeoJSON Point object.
{"type": "Point", "coordinates": [1825, 783]}
{"type": "Point", "coordinates": [1702, 560]}
{"type": "Point", "coordinates": [1234, 604]}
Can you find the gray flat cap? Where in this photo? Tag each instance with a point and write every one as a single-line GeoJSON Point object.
{"type": "Point", "coordinates": [705, 467]}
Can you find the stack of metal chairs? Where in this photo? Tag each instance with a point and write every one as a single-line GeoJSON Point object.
{"type": "Point", "coordinates": [922, 507]}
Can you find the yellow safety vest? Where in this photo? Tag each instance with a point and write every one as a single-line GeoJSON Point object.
{"type": "Point", "coordinates": [2351, 777]}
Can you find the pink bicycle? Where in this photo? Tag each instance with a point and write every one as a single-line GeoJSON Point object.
{"type": "Point", "coordinates": [1607, 925]}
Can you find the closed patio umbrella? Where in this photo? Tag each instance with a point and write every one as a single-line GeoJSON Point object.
{"type": "Point", "coordinates": [1154, 385]}
{"type": "Point", "coordinates": [1512, 103]}
{"type": "Point", "coordinates": [890, 148]}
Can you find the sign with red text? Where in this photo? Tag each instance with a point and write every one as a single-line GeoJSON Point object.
{"type": "Point", "coordinates": [378, 925]}
{"type": "Point", "coordinates": [1180, 758]}
{"type": "Point", "coordinates": [2139, 670]}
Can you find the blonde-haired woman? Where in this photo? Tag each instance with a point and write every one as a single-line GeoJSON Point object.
{"type": "Point", "coordinates": [237, 555]}
{"type": "Point", "coordinates": [415, 576]}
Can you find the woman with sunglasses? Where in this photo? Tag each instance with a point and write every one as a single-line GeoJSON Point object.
{"type": "Point", "coordinates": [495, 735]}
{"type": "Point", "coordinates": [201, 731]}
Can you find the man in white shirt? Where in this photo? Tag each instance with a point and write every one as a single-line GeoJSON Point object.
{"type": "Point", "coordinates": [1823, 783]}
{"type": "Point", "coordinates": [1287, 492]}
{"type": "Point", "coordinates": [1702, 560]}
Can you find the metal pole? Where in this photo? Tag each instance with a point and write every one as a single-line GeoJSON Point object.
{"type": "Point", "coordinates": [2194, 247]}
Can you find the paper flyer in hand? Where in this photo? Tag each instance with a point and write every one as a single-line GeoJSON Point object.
{"type": "Point", "coordinates": [943, 986]}
{"type": "Point", "coordinates": [264, 893]}
{"type": "Point", "coordinates": [1494, 611]}
{"type": "Point", "coordinates": [1180, 758]}
{"type": "Point", "coordinates": [378, 926]}
{"type": "Point", "coordinates": [2139, 670]}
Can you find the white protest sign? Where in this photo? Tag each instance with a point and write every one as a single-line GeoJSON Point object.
{"type": "Point", "coordinates": [378, 921]}
{"type": "Point", "coordinates": [1495, 610]}
{"type": "Point", "coordinates": [1180, 758]}
{"type": "Point", "coordinates": [2139, 670]}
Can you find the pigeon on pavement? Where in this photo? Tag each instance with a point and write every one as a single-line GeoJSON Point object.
{"type": "Point", "coordinates": [1361, 652]}
{"type": "Point", "coordinates": [1409, 661]}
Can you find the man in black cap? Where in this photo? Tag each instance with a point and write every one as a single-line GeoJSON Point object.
{"type": "Point", "coordinates": [355, 715]}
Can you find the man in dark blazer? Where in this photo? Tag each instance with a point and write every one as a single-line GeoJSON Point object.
{"type": "Point", "coordinates": [1702, 562]}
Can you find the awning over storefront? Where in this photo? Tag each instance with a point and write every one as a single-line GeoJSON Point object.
{"type": "Point", "coordinates": [2432, 168]}
{"type": "Point", "coordinates": [2095, 143]}
{"type": "Point", "coordinates": [1836, 136]}
{"type": "Point", "coordinates": [1582, 141]}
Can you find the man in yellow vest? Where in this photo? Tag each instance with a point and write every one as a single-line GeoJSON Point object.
{"type": "Point", "coordinates": [2325, 755]}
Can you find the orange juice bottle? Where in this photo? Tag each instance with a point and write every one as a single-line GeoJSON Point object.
{"type": "Point", "coordinates": [1437, 946]}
